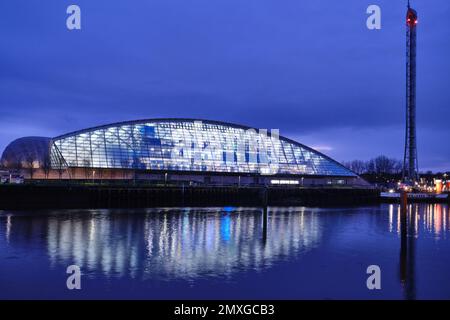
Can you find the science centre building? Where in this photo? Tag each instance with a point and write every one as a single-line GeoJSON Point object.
{"type": "Point", "coordinates": [176, 151]}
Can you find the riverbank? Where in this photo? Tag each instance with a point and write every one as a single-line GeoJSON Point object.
{"type": "Point", "coordinates": [30, 196]}
{"type": "Point", "coordinates": [415, 197]}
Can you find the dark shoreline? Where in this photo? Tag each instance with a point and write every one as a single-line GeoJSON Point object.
{"type": "Point", "coordinates": [95, 196]}
{"type": "Point", "coordinates": [35, 196]}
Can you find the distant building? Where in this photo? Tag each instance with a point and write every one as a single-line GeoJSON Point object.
{"type": "Point", "coordinates": [176, 151]}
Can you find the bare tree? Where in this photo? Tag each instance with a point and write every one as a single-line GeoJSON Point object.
{"type": "Point", "coordinates": [357, 166]}
{"type": "Point", "coordinates": [46, 166]}
{"type": "Point", "coordinates": [60, 168]}
{"type": "Point", "coordinates": [100, 174]}
{"type": "Point", "coordinates": [378, 165]}
{"type": "Point", "coordinates": [370, 166]}
{"type": "Point", "coordinates": [87, 170]}
{"type": "Point", "coordinates": [112, 166]}
{"type": "Point", "coordinates": [398, 166]}
{"type": "Point", "coordinates": [29, 165]}
{"type": "Point", "coordinates": [16, 164]}
{"type": "Point", "coordinates": [124, 164]}
{"type": "Point", "coordinates": [383, 164]}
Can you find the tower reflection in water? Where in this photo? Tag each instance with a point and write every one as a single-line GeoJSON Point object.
{"type": "Point", "coordinates": [426, 219]}
{"type": "Point", "coordinates": [178, 243]}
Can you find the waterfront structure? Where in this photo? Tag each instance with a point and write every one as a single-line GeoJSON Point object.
{"type": "Point", "coordinates": [177, 151]}
{"type": "Point", "coordinates": [410, 161]}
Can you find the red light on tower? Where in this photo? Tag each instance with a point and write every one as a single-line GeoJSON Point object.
{"type": "Point", "coordinates": [411, 17]}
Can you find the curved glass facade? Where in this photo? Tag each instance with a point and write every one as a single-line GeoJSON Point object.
{"type": "Point", "coordinates": [189, 145]}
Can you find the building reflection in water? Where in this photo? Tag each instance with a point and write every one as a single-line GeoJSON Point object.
{"type": "Point", "coordinates": [171, 243]}
{"type": "Point", "coordinates": [190, 243]}
{"type": "Point", "coordinates": [430, 219]}
{"type": "Point", "coordinates": [426, 219]}
{"type": "Point", "coordinates": [8, 227]}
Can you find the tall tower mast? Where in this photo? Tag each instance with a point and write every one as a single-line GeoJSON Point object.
{"type": "Point", "coordinates": [410, 162]}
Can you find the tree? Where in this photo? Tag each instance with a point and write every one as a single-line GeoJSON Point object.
{"type": "Point", "coordinates": [124, 163]}
{"type": "Point", "coordinates": [377, 165]}
{"type": "Point", "coordinates": [100, 174]}
{"type": "Point", "coordinates": [46, 166]}
{"type": "Point", "coordinates": [398, 167]}
{"type": "Point", "coordinates": [60, 166]}
{"type": "Point", "coordinates": [16, 164]}
{"type": "Point", "coordinates": [357, 166]}
{"type": "Point", "coordinates": [29, 164]}
{"type": "Point", "coordinates": [383, 165]}
{"type": "Point", "coordinates": [370, 167]}
{"type": "Point", "coordinates": [87, 170]}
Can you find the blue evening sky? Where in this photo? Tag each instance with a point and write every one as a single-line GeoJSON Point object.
{"type": "Point", "coordinates": [310, 68]}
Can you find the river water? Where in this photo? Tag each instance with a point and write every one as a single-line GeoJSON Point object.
{"type": "Point", "coordinates": [226, 253]}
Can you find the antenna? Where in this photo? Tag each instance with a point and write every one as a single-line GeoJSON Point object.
{"type": "Point", "coordinates": [408, 5]}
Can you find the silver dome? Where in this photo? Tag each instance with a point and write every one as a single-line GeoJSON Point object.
{"type": "Point", "coordinates": [24, 150]}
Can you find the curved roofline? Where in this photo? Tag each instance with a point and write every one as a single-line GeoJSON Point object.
{"type": "Point", "coordinates": [223, 123]}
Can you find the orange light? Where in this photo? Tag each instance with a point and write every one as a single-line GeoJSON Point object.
{"type": "Point", "coordinates": [438, 186]}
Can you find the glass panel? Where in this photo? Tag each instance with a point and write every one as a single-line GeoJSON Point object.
{"type": "Point", "coordinates": [191, 146]}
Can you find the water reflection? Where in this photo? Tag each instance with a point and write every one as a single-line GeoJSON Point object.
{"type": "Point", "coordinates": [169, 243]}
{"type": "Point", "coordinates": [408, 223]}
{"type": "Point", "coordinates": [8, 227]}
{"type": "Point", "coordinates": [228, 252]}
{"type": "Point", "coordinates": [426, 219]}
